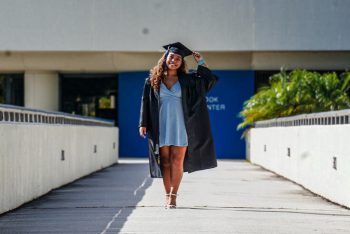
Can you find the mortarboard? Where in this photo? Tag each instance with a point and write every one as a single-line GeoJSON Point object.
{"type": "Point", "coordinates": [178, 48]}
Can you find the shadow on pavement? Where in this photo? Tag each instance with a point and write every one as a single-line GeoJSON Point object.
{"type": "Point", "coordinates": [87, 205]}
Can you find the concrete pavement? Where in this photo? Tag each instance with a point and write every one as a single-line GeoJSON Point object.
{"type": "Point", "coordinates": [235, 197]}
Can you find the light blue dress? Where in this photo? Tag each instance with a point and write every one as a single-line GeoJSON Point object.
{"type": "Point", "coordinates": [172, 130]}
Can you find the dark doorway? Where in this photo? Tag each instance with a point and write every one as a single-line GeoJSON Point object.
{"type": "Point", "coordinates": [12, 89]}
{"type": "Point", "coordinates": [92, 95]}
{"type": "Point", "coordinates": [261, 78]}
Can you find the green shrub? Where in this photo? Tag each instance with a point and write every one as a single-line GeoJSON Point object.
{"type": "Point", "coordinates": [297, 92]}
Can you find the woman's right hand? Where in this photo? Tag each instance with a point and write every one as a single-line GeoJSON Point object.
{"type": "Point", "coordinates": [142, 131]}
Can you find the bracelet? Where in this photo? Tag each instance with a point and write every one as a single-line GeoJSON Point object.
{"type": "Point", "coordinates": [201, 62]}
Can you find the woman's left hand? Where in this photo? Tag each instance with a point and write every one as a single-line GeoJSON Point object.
{"type": "Point", "coordinates": [197, 56]}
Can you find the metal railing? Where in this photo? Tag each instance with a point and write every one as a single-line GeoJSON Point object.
{"type": "Point", "coordinates": [17, 114]}
{"type": "Point", "coordinates": [322, 118]}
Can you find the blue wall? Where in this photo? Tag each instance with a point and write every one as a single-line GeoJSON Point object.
{"type": "Point", "coordinates": [130, 88]}
{"type": "Point", "coordinates": [224, 101]}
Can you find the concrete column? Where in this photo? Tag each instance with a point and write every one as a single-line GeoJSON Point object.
{"type": "Point", "coordinates": [41, 90]}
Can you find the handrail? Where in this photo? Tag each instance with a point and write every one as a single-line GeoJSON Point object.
{"type": "Point", "coordinates": [321, 118]}
{"type": "Point", "coordinates": [17, 114]}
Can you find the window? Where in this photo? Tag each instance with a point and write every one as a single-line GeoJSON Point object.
{"type": "Point", "coordinates": [12, 89]}
{"type": "Point", "coordinates": [89, 95]}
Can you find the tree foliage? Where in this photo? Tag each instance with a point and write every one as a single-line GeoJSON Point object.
{"type": "Point", "coordinates": [297, 92]}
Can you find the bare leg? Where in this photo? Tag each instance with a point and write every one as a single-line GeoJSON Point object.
{"type": "Point", "coordinates": [177, 155]}
{"type": "Point", "coordinates": [165, 162]}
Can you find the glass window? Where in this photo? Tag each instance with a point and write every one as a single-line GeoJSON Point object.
{"type": "Point", "coordinates": [89, 95]}
{"type": "Point", "coordinates": [12, 89]}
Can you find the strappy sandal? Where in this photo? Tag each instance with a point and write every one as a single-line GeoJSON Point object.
{"type": "Point", "coordinates": [171, 206]}
{"type": "Point", "coordinates": [167, 197]}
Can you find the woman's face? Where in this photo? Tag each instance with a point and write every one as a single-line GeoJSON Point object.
{"type": "Point", "coordinates": [173, 61]}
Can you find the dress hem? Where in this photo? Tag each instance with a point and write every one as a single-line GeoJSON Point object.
{"type": "Point", "coordinates": [171, 145]}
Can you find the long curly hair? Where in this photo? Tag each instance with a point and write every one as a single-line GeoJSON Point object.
{"type": "Point", "coordinates": [159, 72]}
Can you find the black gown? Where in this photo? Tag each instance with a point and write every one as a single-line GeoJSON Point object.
{"type": "Point", "coordinates": [200, 153]}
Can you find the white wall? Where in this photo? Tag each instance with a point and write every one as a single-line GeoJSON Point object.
{"type": "Point", "coordinates": [138, 25]}
{"type": "Point", "coordinates": [30, 158]}
{"type": "Point", "coordinates": [310, 164]}
{"type": "Point", "coordinates": [41, 90]}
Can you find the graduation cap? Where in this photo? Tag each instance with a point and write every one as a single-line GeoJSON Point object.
{"type": "Point", "coordinates": [178, 48]}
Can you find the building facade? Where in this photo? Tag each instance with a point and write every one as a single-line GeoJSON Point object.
{"type": "Point", "coordinates": [91, 57]}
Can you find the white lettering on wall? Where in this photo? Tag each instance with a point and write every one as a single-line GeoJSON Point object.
{"type": "Point", "coordinates": [214, 104]}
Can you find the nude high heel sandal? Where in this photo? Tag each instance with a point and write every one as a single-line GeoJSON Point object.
{"type": "Point", "coordinates": [171, 206]}
{"type": "Point", "coordinates": [167, 198]}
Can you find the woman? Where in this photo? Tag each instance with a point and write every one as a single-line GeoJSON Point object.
{"type": "Point", "coordinates": [175, 117]}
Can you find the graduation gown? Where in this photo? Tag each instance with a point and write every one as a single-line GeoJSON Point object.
{"type": "Point", "coordinates": [200, 153]}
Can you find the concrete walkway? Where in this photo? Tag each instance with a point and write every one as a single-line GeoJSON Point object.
{"type": "Point", "coordinates": [236, 197]}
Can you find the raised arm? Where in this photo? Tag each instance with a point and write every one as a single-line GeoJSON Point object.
{"type": "Point", "coordinates": [204, 74]}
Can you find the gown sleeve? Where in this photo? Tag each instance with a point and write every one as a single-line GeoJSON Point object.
{"type": "Point", "coordinates": [205, 77]}
{"type": "Point", "coordinates": [144, 110]}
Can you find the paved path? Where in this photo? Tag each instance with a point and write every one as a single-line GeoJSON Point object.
{"type": "Point", "coordinates": [236, 197]}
